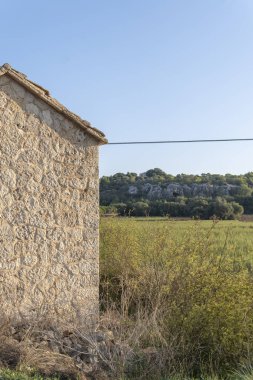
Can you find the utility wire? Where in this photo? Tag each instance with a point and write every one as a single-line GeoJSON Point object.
{"type": "Point", "coordinates": [178, 141]}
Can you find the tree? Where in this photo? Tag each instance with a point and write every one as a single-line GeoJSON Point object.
{"type": "Point", "coordinates": [238, 210]}
{"type": "Point", "coordinates": [198, 207]}
{"type": "Point", "coordinates": [141, 209]}
{"type": "Point", "coordinates": [224, 210]}
{"type": "Point", "coordinates": [121, 208]}
{"type": "Point", "coordinates": [246, 203]}
{"type": "Point", "coordinates": [155, 172]}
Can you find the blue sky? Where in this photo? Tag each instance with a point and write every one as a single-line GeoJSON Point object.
{"type": "Point", "coordinates": [144, 70]}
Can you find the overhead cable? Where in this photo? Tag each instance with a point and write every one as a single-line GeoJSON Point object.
{"type": "Point", "coordinates": [178, 141]}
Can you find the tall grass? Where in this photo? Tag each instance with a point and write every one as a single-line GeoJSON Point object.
{"type": "Point", "coordinates": [178, 295]}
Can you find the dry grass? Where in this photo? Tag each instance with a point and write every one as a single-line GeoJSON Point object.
{"type": "Point", "coordinates": [23, 347]}
{"type": "Point", "coordinates": [47, 362]}
{"type": "Point", "coordinates": [178, 296]}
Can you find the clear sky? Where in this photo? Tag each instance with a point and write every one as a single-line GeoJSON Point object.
{"type": "Point", "coordinates": [144, 70]}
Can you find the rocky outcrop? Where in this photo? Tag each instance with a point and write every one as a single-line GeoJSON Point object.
{"type": "Point", "coordinates": [173, 190]}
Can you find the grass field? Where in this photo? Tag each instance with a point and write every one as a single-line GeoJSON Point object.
{"type": "Point", "coordinates": [182, 295]}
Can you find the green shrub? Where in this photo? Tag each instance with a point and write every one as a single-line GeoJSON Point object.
{"type": "Point", "coordinates": [7, 374]}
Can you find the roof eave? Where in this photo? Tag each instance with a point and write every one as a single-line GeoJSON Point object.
{"type": "Point", "coordinates": [38, 91]}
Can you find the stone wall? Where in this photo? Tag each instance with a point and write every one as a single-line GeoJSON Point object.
{"type": "Point", "coordinates": [48, 211]}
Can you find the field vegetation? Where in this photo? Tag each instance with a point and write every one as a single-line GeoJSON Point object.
{"type": "Point", "coordinates": [178, 297]}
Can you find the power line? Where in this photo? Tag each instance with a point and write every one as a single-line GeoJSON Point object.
{"type": "Point", "coordinates": [178, 141]}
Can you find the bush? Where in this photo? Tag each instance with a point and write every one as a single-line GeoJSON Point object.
{"type": "Point", "coordinates": [226, 210]}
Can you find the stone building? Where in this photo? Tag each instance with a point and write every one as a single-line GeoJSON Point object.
{"type": "Point", "coordinates": [49, 214]}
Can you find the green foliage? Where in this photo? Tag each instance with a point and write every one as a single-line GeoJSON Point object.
{"type": "Point", "coordinates": [189, 286]}
{"type": "Point", "coordinates": [108, 210]}
{"type": "Point", "coordinates": [7, 374]}
{"type": "Point", "coordinates": [132, 190]}
{"type": "Point", "coordinates": [140, 209]}
{"type": "Point", "coordinates": [226, 210]}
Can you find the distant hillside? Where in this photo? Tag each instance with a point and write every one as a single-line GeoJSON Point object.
{"type": "Point", "coordinates": [158, 193]}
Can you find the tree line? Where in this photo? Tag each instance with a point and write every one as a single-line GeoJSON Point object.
{"type": "Point", "coordinates": [156, 193]}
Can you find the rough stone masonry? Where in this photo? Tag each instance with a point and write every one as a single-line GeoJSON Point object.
{"type": "Point", "coordinates": [49, 212]}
